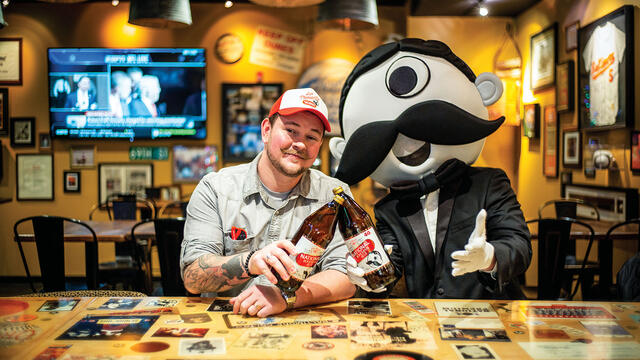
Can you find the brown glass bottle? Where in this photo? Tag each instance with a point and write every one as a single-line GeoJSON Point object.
{"type": "Point", "coordinates": [311, 239]}
{"type": "Point", "coordinates": [364, 242]}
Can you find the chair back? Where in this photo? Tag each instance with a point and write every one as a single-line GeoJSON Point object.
{"type": "Point", "coordinates": [168, 208]}
{"type": "Point", "coordinates": [554, 236]}
{"type": "Point", "coordinates": [168, 239]}
{"type": "Point", "coordinates": [569, 208]}
{"type": "Point", "coordinates": [628, 278]}
{"type": "Point", "coordinates": [48, 232]}
{"type": "Point", "coordinates": [125, 207]}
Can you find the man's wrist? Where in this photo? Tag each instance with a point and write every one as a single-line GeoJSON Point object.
{"type": "Point", "coordinates": [245, 264]}
{"type": "Point", "coordinates": [289, 299]}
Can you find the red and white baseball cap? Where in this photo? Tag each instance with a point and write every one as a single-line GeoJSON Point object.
{"type": "Point", "coordinates": [295, 100]}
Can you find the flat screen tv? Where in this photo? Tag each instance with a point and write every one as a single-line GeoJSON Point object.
{"type": "Point", "coordinates": [127, 93]}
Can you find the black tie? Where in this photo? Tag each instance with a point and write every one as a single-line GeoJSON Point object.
{"type": "Point", "coordinates": [448, 172]}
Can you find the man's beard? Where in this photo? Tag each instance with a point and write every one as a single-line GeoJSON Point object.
{"type": "Point", "coordinates": [279, 166]}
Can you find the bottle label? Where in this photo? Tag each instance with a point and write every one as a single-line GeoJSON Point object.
{"type": "Point", "coordinates": [366, 248]}
{"type": "Point", "coordinates": [307, 255]}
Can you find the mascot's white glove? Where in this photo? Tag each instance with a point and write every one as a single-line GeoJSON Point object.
{"type": "Point", "coordinates": [477, 254]}
{"type": "Point", "coordinates": [356, 274]}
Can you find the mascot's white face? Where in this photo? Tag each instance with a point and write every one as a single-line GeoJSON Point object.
{"type": "Point", "coordinates": [371, 99]}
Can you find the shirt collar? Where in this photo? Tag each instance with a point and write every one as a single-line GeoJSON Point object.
{"type": "Point", "coordinates": [303, 187]}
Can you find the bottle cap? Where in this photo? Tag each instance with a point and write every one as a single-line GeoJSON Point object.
{"type": "Point", "coordinates": [339, 199]}
{"type": "Point", "coordinates": [337, 190]}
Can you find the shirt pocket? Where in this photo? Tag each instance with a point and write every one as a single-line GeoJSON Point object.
{"type": "Point", "coordinates": [232, 247]}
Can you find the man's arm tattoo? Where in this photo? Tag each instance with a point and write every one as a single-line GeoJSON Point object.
{"type": "Point", "coordinates": [215, 273]}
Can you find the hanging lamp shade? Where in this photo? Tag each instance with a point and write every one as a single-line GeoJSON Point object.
{"type": "Point", "coordinates": [64, 1]}
{"type": "Point", "coordinates": [2, 22]}
{"type": "Point", "coordinates": [349, 14]}
{"type": "Point", "coordinates": [286, 3]}
{"type": "Point", "coordinates": [160, 13]}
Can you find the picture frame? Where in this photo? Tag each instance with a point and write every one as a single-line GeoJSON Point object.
{"type": "Point", "coordinates": [571, 149]}
{"type": "Point", "coordinates": [571, 36]}
{"type": "Point", "coordinates": [34, 177]}
{"type": "Point", "coordinates": [531, 121]}
{"type": "Point", "coordinates": [71, 181]}
{"type": "Point", "coordinates": [244, 106]}
{"type": "Point", "coordinates": [11, 67]}
{"type": "Point", "coordinates": [606, 83]}
{"type": "Point", "coordinates": [123, 178]}
{"type": "Point", "coordinates": [22, 132]}
{"type": "Point", "coordinates": [170, 193]}
{"type": "Point", "coordinates": [44, 141]}
{"type": "Point", "coordinates": [565, 89]}
{"type": "Point", "coordinates": [82, 157]}
{"type": "Point", "coordinates": [190, 163]}
{"type": "Point", "coordinates": [635, 151]}
{"type": "Point", "coordinates": [543, 58]}
{"type": "Point", "coordinates": [550, 142]}
{"type": "Point", "coordinates": [4, 111]}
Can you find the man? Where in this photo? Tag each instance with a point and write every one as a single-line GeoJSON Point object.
{"type": "Point", "coordinates": [120, 97]}
{"type": "Point", "coordinates": [413, 116]}
{"type": "Point", "coordinates": [83, 98]}
{"type": "Point", "coordinates": [241, 219]}
{"type": "Point", "coordinates": [146, 105]}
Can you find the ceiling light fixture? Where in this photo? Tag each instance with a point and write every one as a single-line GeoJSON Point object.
{"type": "Point", "coordinates": [483, 11]}
{"type": "Point", "coordinates": [228, 4]}
{"type": "Point", "coordinates": [115, 2]}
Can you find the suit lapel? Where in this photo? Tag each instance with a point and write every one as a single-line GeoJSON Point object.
{"type": "Point", "coordinates": [445, 210]}
{"type": "Point", "coordinates": [412, 212]}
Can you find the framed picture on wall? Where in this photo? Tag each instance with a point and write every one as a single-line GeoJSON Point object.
{"type": "Point", "coordinates": [606, 71]}
{"type": "Point", "coordinates": [635, 151]}
{"type": "Point", "coordinates": [550, 142]}
{"type": "Point", "coordinates": [4, 111]}
{"type": "Point", "coordinates": [23, 132]}
{"type": "Point", "coordinates": [82, 156]}
{"type": "Point", "coordinates": [543, 58]}
{"type": "Point", "coordinates": [565, 91]}
{"type": "Point", "coordinates": [34, 176]}
{"type": "Point", "coordinates": [44, 139]}
{"type": "Point", "coordinates": [531, 123]}
{"type": "Point", "coordinates": [571, 36]}
{"type": "Point", "coordinates": [11, 65]}
{"type": "Point", "coordinates": [123, 179]}
{"type": "Point", "coordinates": [571, 149]}
{"type": "Point", "coordinates": [244, 106]}
{"type": "Point", "coordinates": [71, 181]}
{"type": "Point", "coordinates": [191, 163]}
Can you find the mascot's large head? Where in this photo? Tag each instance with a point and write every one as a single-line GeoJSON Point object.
{"type": "Point", "coordinates": [407, 107]}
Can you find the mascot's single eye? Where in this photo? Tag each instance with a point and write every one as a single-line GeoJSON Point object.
{"type": "Point", "coordinates": [407, 76]}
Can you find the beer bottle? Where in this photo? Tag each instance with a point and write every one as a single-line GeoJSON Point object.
{"type": "Point", "coordinates": [364, 242]}
{"type": "Point", "coordinates": [310, 240]}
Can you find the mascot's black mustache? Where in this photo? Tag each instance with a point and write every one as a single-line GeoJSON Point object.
{"type": "Point", "coordinates": [434, 121]}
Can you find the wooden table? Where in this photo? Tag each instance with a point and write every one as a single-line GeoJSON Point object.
{"type": "Point", "coordinates": [605, 248]}
{"type": "Point", "coordinates": [333, 331]}
{"type": "Point", "coordinates": [109, 231]}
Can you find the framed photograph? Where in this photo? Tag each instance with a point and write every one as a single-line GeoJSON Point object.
{"type": "Point", "coordinates": [11, 65]}
{"type": "Point", "coordinates": [23, 132]}
{"type": "Point", "coordinates": [606, 71]}
{"type": "Point", "coordinates": [244, 106]}
{"type": "Point", "coordinates": [71, 181]}
{"type": "Point", "coordinates": [531, 123]}
{"type": "Point", "coordinates": [4, 111]}
{"type": "Point", "coordinates": [125, 178]}
{"type": "Point", "coordinates": [565, 91]}
{"type": "Point", "coordinates": [571, 149]}
{"type": "Point", "coordinates": [34, 176]}
{"type": "Point", "coordinates": [571, 36]}
{"type": "Point", "coordinates": [543, 58]}
{"type": "Point", "coordinates": [44, 139]}
{"type": "Point", "coordinates": [191, 163]}
{"type": "Point", "coordinates": [550, 142]}
{"type": "Point", "coordinates": [635, 151]}
{"type": "Point", "coordinates": [82, 156]}
{"type": "Point", "coordinates": [170, 193]}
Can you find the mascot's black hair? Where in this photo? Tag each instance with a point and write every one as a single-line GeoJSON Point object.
{"type": "Point", "coordinates": [380, 54]}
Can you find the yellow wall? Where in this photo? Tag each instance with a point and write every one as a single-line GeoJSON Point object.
{"type": "Point", "coordinates": [44, 25]}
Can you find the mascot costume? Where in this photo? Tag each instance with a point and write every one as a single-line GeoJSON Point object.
{"type": "Point", "coordinates": [413, 117]}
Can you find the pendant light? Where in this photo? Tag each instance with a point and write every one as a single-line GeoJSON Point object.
{"type": "Point", "coordinates": [160, 13]}
{"type": "Point", "coordinates": [286, 3]}
{"type": "Point", "coordinates": [349, 14]}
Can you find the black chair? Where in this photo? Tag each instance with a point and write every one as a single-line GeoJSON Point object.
{"type": "Point", "coordinates": [173, 207]}
{"type": "Point", "coordinates": [125, 207]}
{"type": "Point", "coordinates": [569, 208]}
{"type": "Point", "coordinates": [628, 278]}
{"type": "Point", "coordinates": [168, 239]}
{"type": "Point", "coordinates": [555, 280]}
{"type": "Point", "coordinates": [48, 232]}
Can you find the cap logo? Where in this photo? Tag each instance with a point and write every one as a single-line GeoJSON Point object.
{"type": "Point", "coordinates": [312, 103]}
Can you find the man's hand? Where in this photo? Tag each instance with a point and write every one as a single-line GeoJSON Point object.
{"type": "Point", "coordinates": [356, 275]}
{"type": "Point", "coordinates": [478, 254]}
{"type": "Point", "coordinates": [274, 256]}
{"type": "Point", "coordinates": [259, 300]}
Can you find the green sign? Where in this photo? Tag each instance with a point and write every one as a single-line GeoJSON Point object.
{"type": "Point", "coordinates": [148, 153]}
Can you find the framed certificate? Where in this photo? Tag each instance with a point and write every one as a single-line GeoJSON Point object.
{"type": "Point", "coordinates": [34, 176]}
{"type": "Point", "coordinates": [11, 66]}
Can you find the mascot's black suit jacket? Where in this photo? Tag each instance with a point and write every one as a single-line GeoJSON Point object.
{"type": "Point", "coordinates": [401, 224]}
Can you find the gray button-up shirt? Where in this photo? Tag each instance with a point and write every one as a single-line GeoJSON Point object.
{"type": "Point", "coordinates": [234, 197]}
